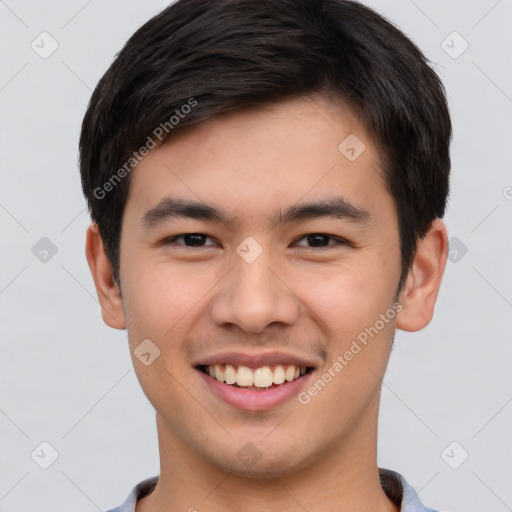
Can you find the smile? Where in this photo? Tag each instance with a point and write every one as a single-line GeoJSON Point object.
{"type": "Point", "coordinates": [262, 378]}
{"type": "Point", "coordinates": [254, 388]}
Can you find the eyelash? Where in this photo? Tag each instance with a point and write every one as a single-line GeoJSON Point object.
{"type": "Point", "coordinates": [340, 241]}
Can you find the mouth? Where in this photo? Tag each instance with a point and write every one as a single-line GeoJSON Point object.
{"type": "Point", "coordinates": [263, 378]}
{"type": "Point", "coordinates": [259, 388]}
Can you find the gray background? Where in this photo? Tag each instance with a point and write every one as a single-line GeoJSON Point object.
{"type": "Point", "coordinates": [67, 379]}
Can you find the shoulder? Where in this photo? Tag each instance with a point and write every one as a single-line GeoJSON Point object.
{"type": "Point", "coordinates": [139, 491]}
{"type": "Point", "coordinates": [400, 492]}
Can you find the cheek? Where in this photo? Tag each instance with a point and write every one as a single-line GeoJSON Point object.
{"type": "Point", "coordinates": [351, 297]}
{"type": "Point", "coordinates": [160, 306]}
{"type": "Point", "coordinates": [162, 297]}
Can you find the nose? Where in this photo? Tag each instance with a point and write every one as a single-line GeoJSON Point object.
{"type": "Point", "coordinates": [254, 296]}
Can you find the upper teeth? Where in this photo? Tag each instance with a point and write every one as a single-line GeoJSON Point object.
{"type": "Point", "coordinates": [262, 377]}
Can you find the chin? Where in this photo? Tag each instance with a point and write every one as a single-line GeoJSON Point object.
{"type": "Point", "coordinates": [268, 463]}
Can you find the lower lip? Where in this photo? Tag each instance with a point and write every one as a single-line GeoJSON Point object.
{"type": "Point", "coordinates": [253, 400]}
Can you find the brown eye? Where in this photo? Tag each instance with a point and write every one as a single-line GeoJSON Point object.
{"type": "Point", "coordinates": [321, 240]}
{"type": "Point", "coordinates": [190, 240]}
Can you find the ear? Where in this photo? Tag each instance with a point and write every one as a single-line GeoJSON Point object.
{"type": "Point", "coordinates": [418, 297]}
{"type": "Point", "coordinates": [107, 289]}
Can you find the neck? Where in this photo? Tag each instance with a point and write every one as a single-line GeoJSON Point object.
{"type": "Point", "coordinates": [344, 478]}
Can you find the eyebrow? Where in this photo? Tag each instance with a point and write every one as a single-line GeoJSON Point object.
{"type": "Point", "coordinates": [169, 209]}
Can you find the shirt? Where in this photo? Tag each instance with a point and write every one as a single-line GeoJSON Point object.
{"type": "Point", "coordinates": [394, 485]}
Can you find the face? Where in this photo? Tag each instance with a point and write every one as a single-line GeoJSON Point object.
{"type": "Point", "coordinates": [279, 279]}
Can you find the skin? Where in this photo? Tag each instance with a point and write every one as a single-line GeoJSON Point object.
{"type": "Point", "coordinates": [193, 302]}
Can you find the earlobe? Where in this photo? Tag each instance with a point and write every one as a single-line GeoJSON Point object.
{"type": "Point", "coordinates": [420, 292]}
{"type": "Point", "coordinates": [107, 289]}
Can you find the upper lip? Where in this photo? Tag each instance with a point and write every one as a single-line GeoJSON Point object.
{"type": "Point", "coordinates": [255, 360]}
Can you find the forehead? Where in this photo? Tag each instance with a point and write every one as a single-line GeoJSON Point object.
{"type": "Point", "coordinates": [254, 161]}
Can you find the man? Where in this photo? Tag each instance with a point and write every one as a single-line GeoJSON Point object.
{"type": "Point", "coordinates": [266, 181]}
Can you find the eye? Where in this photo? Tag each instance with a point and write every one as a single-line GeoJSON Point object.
{"type": "Point", "coordinates": [321, 240]}
{"type": "Point", "coordinates": [189, 240]}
